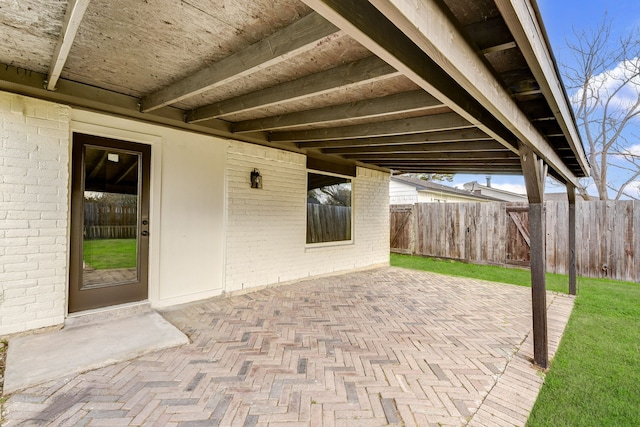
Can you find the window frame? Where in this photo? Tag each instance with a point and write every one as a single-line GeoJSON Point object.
{"type": "Point", "coordinates": [351, 180]}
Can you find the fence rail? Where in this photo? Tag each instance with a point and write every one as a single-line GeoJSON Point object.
{"type": "Point", "coordinates": [109, 221]}
{"type": "Point", "coordinates": [607, 236]}
{"type": "Point", "coordinates": [110, 232]}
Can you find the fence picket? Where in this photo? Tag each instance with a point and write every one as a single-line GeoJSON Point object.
{"type": "Point", "coordinates": [607, 240]}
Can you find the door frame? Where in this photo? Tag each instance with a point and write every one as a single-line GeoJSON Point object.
{"type": "Point", "coordinates": [91, 123]}
{"type": "Point", "coordinates": [101, 297]}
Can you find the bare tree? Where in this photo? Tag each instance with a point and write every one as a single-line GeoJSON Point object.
{"type": "Point", "coordinates": [604, 83]}
{"type": "Point", "coordinates": [432, 176]}
{"type": "Point", "coordinates": [335, 195]}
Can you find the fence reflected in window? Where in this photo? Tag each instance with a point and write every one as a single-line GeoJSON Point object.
{"type": "Point", "coordinates": [328, 208]}
{"type": "Point", "coordinates": [110, 220]}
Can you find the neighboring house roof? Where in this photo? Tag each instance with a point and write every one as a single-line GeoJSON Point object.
{"type": "Point", "coordinates": [442, 87]}
{"type": "Point", "coordinates": [502, 195]}
{"type": "Point", "coordinates": [561, 197]}
{"type": "Point", "coordinates": [422, 185]}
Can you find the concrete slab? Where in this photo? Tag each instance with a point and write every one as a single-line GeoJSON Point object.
{"type": "Point", "coordinates": [34, 359]}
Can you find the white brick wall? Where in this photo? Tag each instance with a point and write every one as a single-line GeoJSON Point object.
{"type": "Point", "coordinates": [266, 228]}
{"type": "Point", "coordinates": [264, 241]}
{"type": "Point", "coordinates": [34, 165]}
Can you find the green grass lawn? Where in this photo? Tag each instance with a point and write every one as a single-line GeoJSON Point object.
{"type": "Point", "coordinates": [594, 378]}
{"type": "Point", "coordinates": [102, 254]}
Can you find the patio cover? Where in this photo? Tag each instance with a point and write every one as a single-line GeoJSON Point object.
{"type": "Point", "coordinates": [436, 86]}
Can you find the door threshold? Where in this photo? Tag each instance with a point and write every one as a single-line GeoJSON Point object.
{"type": "Point", "coordinates": [107, 313]}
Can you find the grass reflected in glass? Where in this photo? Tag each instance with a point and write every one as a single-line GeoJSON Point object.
{"type": "Point", "coordinates": [106, 254]}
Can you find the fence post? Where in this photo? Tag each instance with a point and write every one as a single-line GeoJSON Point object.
{"type": "Point", "coordinates": [414, 229]}
{"type": "Point", "coordinates": [571, 193]}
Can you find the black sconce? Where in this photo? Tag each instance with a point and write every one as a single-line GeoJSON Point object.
{"type": "Point", "coordinates": [256, 179]}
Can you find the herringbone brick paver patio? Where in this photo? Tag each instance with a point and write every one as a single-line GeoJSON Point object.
{"type": "Point", "coordinates": [380, 347]}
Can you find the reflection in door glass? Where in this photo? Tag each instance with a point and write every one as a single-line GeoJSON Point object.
{"type": "Point", "coordinates": [110, 229]}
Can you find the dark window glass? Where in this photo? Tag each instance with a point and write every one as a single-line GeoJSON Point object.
{"type": "Point", "coordinates": [328, 208]}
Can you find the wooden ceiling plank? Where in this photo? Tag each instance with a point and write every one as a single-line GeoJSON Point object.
{"type": "Point", "coordinates": [438, 122]}
{"type": "Point", "coordinates": [352, 74]}
{"type": "Point", "coordinates": [72, 20]}
{"type": "Point", "coordinates": [404, 102]}
{"type": "Point", "coordinates": [426, 46]}
{"type": "Point", "coordinates": [489, 32]}
{"type": "Point", "coordinates": [459, 135]}
{"type": "Point", "coordinates": [444, 147]}
{"type": "Point", "coordinates": [301, 36]}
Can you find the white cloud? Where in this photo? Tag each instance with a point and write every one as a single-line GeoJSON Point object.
{"type": "Point", "coordinates": [606, 86]}
{"type": "Point", "coordinates": [632, 191]}
{"type": "Point", "coordinates": [634, 150]}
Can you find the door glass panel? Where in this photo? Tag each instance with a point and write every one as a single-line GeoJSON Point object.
{"type": "Point", "coordinates": [110, 229]}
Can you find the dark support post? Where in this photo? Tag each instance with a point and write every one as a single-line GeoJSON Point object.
{"type": "Point", "coordinates": [534, 172]}
{"type": "Point", "coordinates": [571, 192]}
{"type": "Point", "coordinates": [538, 283]}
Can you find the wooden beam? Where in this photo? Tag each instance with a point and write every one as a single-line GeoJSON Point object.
{"type": "Point", "coordinates": [461, 165]}
{"type": "Point", "coordinates": [356, 73]}
{"type": "Point", "coordinates": [430, 27]}
{"type": "Point", "coordinates": [527, 93]}
{"type": "Point", "coordinates": [404, 102]}
{"type": "Point", "coordinates": [534, 177]}
{"type": "Point", "coordinates": [419, 39]}
{"type": "Point", "coordinates": [571, 193]}
{"type": "Point", "coordinates": [371, 28]}
{"type": "Point", "coordinates": [533, 174]}
{"type": "Point", "coordinates": [499, 48]}
{"type": "Point", "coordinates": [442, 156]}
{"type": "Point", "coordinates": [79, 95]}
{"type": "Point", "coordinates": [441, 162]}
{"type": "Point", "coordinates": [505, 170]}
{"type": "Point", "coordinates": [301, 36]}
{"type": "Point", "coordinates": [525, 24]}
{"type": "Point", "coordinates": [72, 19]}
{"type": "Point", "coordinates": [459, 135]}
{"type": "Point", "coordinates": [444, 147]}
{"type": "Point", "coordinates": [437, 122]}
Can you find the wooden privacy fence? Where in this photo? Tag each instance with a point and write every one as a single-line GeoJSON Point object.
{"type": "Point", "coordinates": [109, 221]}
{"type": "Point", "coordinates": [328, 223]}
{"type": "Point", "coordinates": [607, 235]}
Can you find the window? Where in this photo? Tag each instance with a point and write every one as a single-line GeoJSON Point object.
{"type": "Point", "coordinates": [328, 208]}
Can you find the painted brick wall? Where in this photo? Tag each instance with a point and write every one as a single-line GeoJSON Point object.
{"type": "Point", "coordinates": [266, 228]}
{"type": "Point", "coordinates": [34, 164]}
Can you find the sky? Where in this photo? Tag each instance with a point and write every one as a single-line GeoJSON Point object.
{"type": "Point", "coordinates": [560, 18]}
